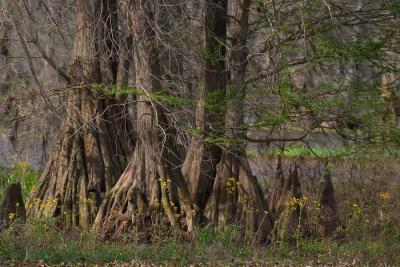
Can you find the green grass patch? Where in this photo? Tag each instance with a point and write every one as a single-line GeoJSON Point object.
{"type": "Point", "coordinates": [295, 151]}
{"type": "Point", "coordinates": [20, 172]}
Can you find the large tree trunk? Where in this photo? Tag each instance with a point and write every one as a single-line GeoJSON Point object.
{"type": "Point", "coordinates": [145, 188]}
{"type": "Point", "coordinates": [199, 167]}
{"type": "Point", "coordinates": [89, 151]}
{"type": "Point", "coordinates": [237, 197]}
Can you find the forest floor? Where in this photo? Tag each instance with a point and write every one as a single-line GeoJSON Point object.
{"type": "Point", "coordinates": [43, 244]}
{"type": "Point", "coordinates": [368, 197]}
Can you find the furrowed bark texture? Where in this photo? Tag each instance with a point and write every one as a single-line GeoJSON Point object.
{"type": "Point", "coordinates": [277, 186]}
{"type": "Point", "coordinates": [89, 151]}
{"type": "Point", "coordinates": [199, 167]}
{"type": "Point", "coordinates": [288, 207]}
{"type": "Point", "coordinates": [237, 197]}
{"type": "Point", "coordinates": [145, 189]}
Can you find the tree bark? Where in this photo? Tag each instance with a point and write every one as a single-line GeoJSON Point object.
{"type": "Point", "coordinates": [108, 40]}
{"type": "Point", "coordinates": [199, 167]}
{"type": "Point", "coordinates": [89, 151]}
{"type": "Point", "coordinates": [289, 211]}
{"type": "Point", "coordinates": [144, 190]}
{"type": "Point", "coordinates": [12, 208]}
{"type": "Point", "coordinates": [237, 197]}
{"type": "Point", "coordinates": [329, 218]}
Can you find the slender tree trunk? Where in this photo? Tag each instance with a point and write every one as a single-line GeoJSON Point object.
{"type": "Point", "coordinates": [237, 197]}
{"type": "Point", "coordinates": [5, 40]}
{"type": "Point", "coordinates": [199, 167]}
{"type": "Point", "coordinates": [89, 151]}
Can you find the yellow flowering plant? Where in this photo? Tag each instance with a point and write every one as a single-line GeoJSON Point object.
{"type": "Point", "coordinates": [19, 172]}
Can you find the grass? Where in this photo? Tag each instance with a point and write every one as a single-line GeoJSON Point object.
{"type": "Point", "coordinates": [41, 241]}
{"type": "Point", "coordinates": [295, 151]}
{"type": "Point", "coordinates": [369, 234]}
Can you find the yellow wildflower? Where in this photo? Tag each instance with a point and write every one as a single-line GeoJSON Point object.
{"type": "Point", "coordinates": [36, 200]}
{"type": "Point", "coordinates": [297, 201]}
{"type": "Point", "coordinates": [385, 195]}
{"type": "Point", "coordinates": [11, 216]}
{"type": "Point", "coordinates": [23, 164]}
{"type": "Point", "coordinates": [165, 184]}
{"type": "Point", "coordinates": [32, 189]}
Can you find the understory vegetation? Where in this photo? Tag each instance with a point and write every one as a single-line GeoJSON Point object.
{"type": "Point", "coordinates": [368, 234]}
{"type": "Point", "coordinates": [42, 241]}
